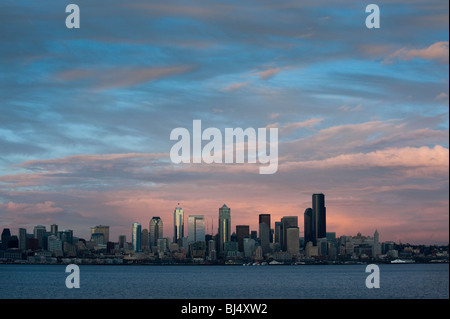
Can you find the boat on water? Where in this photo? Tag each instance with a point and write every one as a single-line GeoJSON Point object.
{"type": "Point", "coordinates": [402, 261]}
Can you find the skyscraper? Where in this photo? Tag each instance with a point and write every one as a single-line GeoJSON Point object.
{"type": "Point", "coordinates": [264, 232]}
{"type": "Point", "coordinates": [39, 233]}
{"type": "Point", "coordinates": [242, 231]}
{"type": "Point", "coordinates": [287, 222]}
{"type": "Point", "coordinates": [278, 233]}
{"type": "Point", "coordinates": [224, 226]}
{"type": "Point", "coordinates": [178, 225]}
{"type": "Point", "coordinates": [54, 229]}
{"type": "Point", "coordinates": [22, 238]}
{"type": "Point", "coordinates": [136, 237]}
{"type": "Point", "coordinates": [155, 231]}
{"type": "Point", "coordinates": [319, 216]}
{"type": "Point", "coordinates": [101, 229]}
{"type": "Point", "coordinates": [196, 228]}
{"type": "Point", "coordinates": [308, 231]}
{"type": "Point", "coordinates": [292, 240]}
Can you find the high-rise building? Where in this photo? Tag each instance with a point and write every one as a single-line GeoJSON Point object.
{"type": "Point", "coordinates": [264, 232]}
{"type": "Point", "coordinates": [22, 238]}
{"type": "Point", "coordinates": [54, 229]}
{"type": "Point", "coordinates": [178, 225]}
{"type": "Point", "coordinates": [292, 242]}
{"type": "Point", "coordinates": [287, 222]}
{"type": "Point", "coordinates": [278, 233]}
{"type": "Point", "coordinates": [308, 231]}
{"type": "Point", "coordinates": [54, 243]}
{"type": "Point", "coordinates": [155, 231]}
{"type": "Point", "coordinates": [136, 237]}
{"type": "Point", "coordinates": [145, 240]}
{"type": "Point", "coordinates": [6, 236]}
{"type": "Point", "coordinates": [319, 216]}
{"type": "Point", "coordinates": [101, 229]}
{"type": "Point", "coordinates": [39, 233]}
{"type": "Point", "coordinates": [196, 228]}
{"type": "Point", "coordinates": [224, 226]}
{"type": "Point", "coordinates": [66, 236]}
{"type": "Point", "coordinates": [242, 231]}
{"type": "Point", "coordinates": [122, 241]}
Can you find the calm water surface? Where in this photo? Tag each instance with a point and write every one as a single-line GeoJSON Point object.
{"type": "Point", "coordinates": [223, 282]}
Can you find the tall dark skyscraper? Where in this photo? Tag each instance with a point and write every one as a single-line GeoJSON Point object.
{"type": "Point", "coordinates": [264, 232]}
{"type": "Point", "coordinates": [308, 231]}
{"type": "Point", "coordinates": [242, 231]}
{"type": "Point", "coordinates": [319, 215]}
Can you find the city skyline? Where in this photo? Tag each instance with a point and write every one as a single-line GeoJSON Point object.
{"type": "Point", "coordinates": [362, 114]}
{"type": "Point", "coordinates": [196, 228]}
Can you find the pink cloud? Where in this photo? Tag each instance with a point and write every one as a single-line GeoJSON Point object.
{"type": "Point", "coordinates": [112, 78]}
{"type": "Point", "coordinates": [437, 51]}
{"type": "Point", "coordinates": [236, 86]}
{"type": "Point", "coordinates": [407, 157]}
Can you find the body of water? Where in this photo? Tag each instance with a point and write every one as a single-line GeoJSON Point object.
{"type": "Point", "coordinates": [411, 281]}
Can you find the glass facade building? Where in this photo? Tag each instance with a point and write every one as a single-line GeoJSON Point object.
{"type": "Point", "coordinates": [136, 237]}
{"type": "Point", "coordinates": [155, 231]}
{"type": "Point", "coordinates": [196, 228]}
{"type": "Point", "coordinates": [319, 216]}
{"type": "Point", "coordinates": [178, 225]}
{"type": "Point", "coordinates": [224, 226]}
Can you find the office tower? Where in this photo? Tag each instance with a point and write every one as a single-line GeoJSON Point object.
{"type": "Point", "coordinates": [249, 247]}
{"type": "Point", "coordinates": [22, 238]}
{"type": "Point", "coordinates": [178, 225]}
{"type": "Point", "coordinates": [101, 229]}
{"type": "Point", "coordinates": [54, 229]}
{"type": "Point", "coordinates": [242, 231]}
{"type": "Point", "coordinates": [54, 243]}
{"type": "Point", "coordinates": [264, 232]}
{"type": "Point", "coordinates": [224, 226]}
{"type": "Point", "coordinates": [376, 248]}
{"type": "Point", "coordinates": [196, 228]}
{"type": "Point", "coordinates": [292, 240]}
{"type": "Point", "coordinates": [319, 216]}
{"type": "Point", "coordinates": [122, 241]}
{"type": "Point", "coordinates": [278, 233]}
{"type": "Point", "coordinates": [155, 231]}
{"type": "Point", "coordinates": [212, 253]}
{"type": "Point", "coordinates": [39, 233]}
{"type": "Point", "coordinates": [66, 236]}
{"type": "Point", "coordinates": [287, 222]}
{"type": "Point", "coordinates": [136, 237]}
{"type": "Point", "coordinates": [6, 236]}
{"type": "Point", "coordinates": [144, 240]}
{"type": "Point", "coordinates": [308, 231]}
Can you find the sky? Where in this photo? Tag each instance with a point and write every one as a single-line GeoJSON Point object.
{"type": "Point", "coordinates": [362, 114]}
